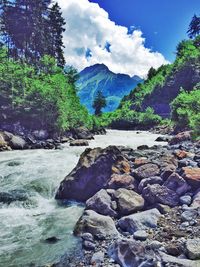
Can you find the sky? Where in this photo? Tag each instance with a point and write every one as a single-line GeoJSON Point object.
{"type": "Point", "coordinates": [129, 36]}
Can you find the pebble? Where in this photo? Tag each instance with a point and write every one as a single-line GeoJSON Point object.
{"type": "Point", "coordinates": [140, 235]}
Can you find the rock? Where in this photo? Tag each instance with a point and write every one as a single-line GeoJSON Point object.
{"type": "Point", "coordinates": [81, 133]}
{"type": "Point", "coordinates": [100, 226]}
{"type": "Point", "coordinates": [52, 240]}
{"type": "Point", "coordinates": [88, 245]}
{"type": "Point", "coordinates": [41, 134]}
{"type": "Point", "coordinates": [186, 199]}
{"type": "Point", "coordinates": [151, 180]}
{"type": "Point", "coordinates": [173, 249]}
{"type": "Point", "coordinates": [164, 209]}
{"type": "Point", "coordinates": [121, 166]}
{"type": "Point", "coordinates": [131, 253]}
{"type": "Point", "coordinates": [172, 261]}
{"type": "Point", "coordinates": [176, 183]}
{"type": "Point", "coordinates": [146, 171]}
{"type": "Point", "coordinates": [193, 248]}
{"type": "Point", "coordinates": [140, 161]}
{"type": "Point", "coordinates": [101, 203]}
{"type": "Point", "coordinates": [189, 215]}
{"type": "Point", "coordinates": [79, 143]}
{"type": "Point", "coordinates": [16, 142]}
{"type": "Point", "coordinates": [160, 194]}
{"type": "Point", "coordinates": [97, 258]}
{"type": "Point", "coordinates": [13, 195]}
{"type": "Point", "coordinates": [163, 139]}
{"type": "Point", "coordinates": [140, 235]}
{"type": "Point", "coordinates": [139, 221]}
{"type": "Point", "coordinates": [91, 174]}
{"type": "Point", "coordinates": [192, 176]}
{"type": "Point", "coordinates": [196, 200]}
{"type": "Point", "coordinates": [166, 172]}
{"type": "Point", "coordinates": [121, 181]}
{"type": "Point", "coordinates": [88, 237]}
{"type": "Point", "coordinates": [128, 201]}
{"type": "Point", "coordinates": [180, 137]}
{"type": "Point", "coordinates": [143, 147]}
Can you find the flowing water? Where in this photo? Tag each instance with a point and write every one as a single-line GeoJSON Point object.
{"type": "Point", "coordinates": [25, 225]}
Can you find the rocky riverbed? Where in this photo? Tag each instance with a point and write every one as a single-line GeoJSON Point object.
{"type": "Point", "coordinates": [142, 205]}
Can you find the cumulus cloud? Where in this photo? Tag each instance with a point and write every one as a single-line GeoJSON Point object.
{"type": "Point", "coordinates": [91, 37]}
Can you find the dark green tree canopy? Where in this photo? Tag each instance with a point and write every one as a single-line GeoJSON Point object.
{"type": "Point", "coordinates": [99, 103]}
{"type": "Point", "coordinates": [194, 27]}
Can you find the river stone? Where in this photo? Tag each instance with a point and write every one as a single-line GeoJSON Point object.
{"type": "Point", "coordinates": [192, 176]}
{"type": "Point", "coordinates": [146, 171]}
{"type": "Point", "coordinates": [196, 200]}
{"type": "Point", "coordinates": [180, 137]}
{"type": "Point", "coordinates": [121, 181]}
{"type": "Point", "coordinates": [140, 235]}
{"type": "Point", "coordinates": [98, 258]}
{"type": "Point", "coordinates": [176, 183]}
{"type": "Point", "coordinates": [160, 194]}
{"type": "Point", "coordinates": [139, 221]}
{"type": "Point", "coordinates": [189, 215]}
{"type": "Point", "coordinates": [90, 175]}
{"type": "Point", "coordinates": [186, 199]}
{"type": "Point", "coordinates": [79, 143]}
{"type": "Point", "coordinates": [17, 142]}
{"type": "Point", "coordinates": [193, 248]}
{"type": "Point", "coordinates": [128, 201]}
{"type": "Point", "coordinates": [100, 226]}
{"type": "Point", "coordinates": [101, 203]}
{"type": "Point", "coordinates": [13, 195]}
{"type": "Point", "coordinates": [151, 180]}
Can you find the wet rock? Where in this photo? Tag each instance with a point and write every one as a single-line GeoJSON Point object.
{"type": "Point", "coordinates": [100, 226]}
{"type": "Point", "coordinates": [151, 180]}
{"type": "Point", "coordinates": [52, 240]}
{"type": "Point", "coordinates": [128, 201]}
{"type": "Point", "coordinates": [79, 143]}
{"type": "Point", "coordinates": [146, 171]}
{"type": "Point", "coordinates": [163, 139]}
{"type": "Point", "coordinates": [192, 176]}
{"type": "Point", "coordinates": [91, 174]}
{"type": "Point", "coordinates": [180, 137]}
{"type": "Point", "coordinates": [140, 235]}
{"type": "Point", "coordinates": [101, 203]}
{"type": "Point", "coordinates": [13, 195]}
{"type": "Point", "coordinates": [139, 221]}
{"type": "Point", "coordinates": [160, 194]}
{"type": "Point", "coordinates": [81, 133]}
{"type": "Point", "coordinates": [193, 249]}
{"type": "Point", "coordinates": [176, 183]}
{"type": "Point", "coordinates": [143, 147]}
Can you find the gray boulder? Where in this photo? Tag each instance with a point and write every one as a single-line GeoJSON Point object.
{"type": "Point", "coordinates": [150, 180]}
{"type": "Point", "coordinates": [16, 142]}
{"type": "Point", "coordinates": [139, 221]}
{"type": "Point", "coordinates": [176, 183]}
{"type": "Point", "coordinates": [100, 226]}
{"type": "Point", "coordinates": [146, 171]}
{"type": "Point", "coordinates": [193, 248]}
{"type": "Point", "coordinates": [101, 203]}
{"type": "Point", "coordinates": [160, 194]}
{"type": "Point", "coordinates": [128, 201]}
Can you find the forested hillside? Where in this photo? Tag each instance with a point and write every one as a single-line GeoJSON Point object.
{"type": "Point", "coordinates": [35, 91]}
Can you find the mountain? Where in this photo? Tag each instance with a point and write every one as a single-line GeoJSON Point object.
{"type": "Point", "coordinates": [113, 86]}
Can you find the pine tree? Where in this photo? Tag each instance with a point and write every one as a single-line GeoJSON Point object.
{"type": "Point", "coordinates": [57, 23]}
{"type": "Point", "coordinates": [194, 27]}
{"type": "Point", "coordinates": [99, 103]}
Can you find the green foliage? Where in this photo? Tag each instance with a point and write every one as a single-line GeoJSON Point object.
{"type": "Point", "coordinates": [44, 95]}
{"type": "Point", "coordinates": [99, 103]}
{"type": "Point", "coordinates": [186, 110]}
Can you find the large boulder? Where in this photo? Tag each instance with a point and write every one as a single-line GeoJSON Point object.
{"type": "Point", "coordinates": [192, 176]}
{"type": "Point", "coordinates": [91, 174]}
{"type": "Point", "coordinates": [81, 133]}
{"type": "Point", "coordinates": [17, 142]}
{"type": "Point", "coordinates": [128, 201]}
{"type": "Point", "coordinates": [101, 202]}
{"type": "Point", "coordinates": [139, 221]}
{"type": "Point", "coordinates": [100, 226]}
{"type": "Point", "coordinates": [3, 143]}
{"type": "Point", "coordinates": [176, 183]}
{"type": "Point", "coordinates": [180, 137]}
{"type": "Point", "coordinates": [193, 248]}
{"type": "Point", "coordinates": [150, 180]}
{"type": "Point", "coordinates": [147, 171]}
{"type": "Point", "coordinates": [156, 193]}
{"type": "Point", "coordinates": [122, 181]}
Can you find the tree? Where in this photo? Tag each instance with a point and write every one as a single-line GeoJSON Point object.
{"type": "Point", "coordinates": [194, 27]}
{"type": "Point", "coordinates": [99, 103]}
{"type": "Point", "coordinates": [57, 23]}
{"type": "Point", "coordinates": [152, 72]}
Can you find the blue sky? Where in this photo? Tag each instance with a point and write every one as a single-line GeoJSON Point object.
{"type": "Point", "coordinates": [163, 22]}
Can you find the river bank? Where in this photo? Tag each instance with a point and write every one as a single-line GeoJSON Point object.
{"type": "Point", "coordinates": [31, 215]}
{"type": "Point", "coordinates": [142, 206]}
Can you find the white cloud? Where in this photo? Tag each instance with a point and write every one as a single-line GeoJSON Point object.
{"type": "Point", "coordinates": [89, 28]}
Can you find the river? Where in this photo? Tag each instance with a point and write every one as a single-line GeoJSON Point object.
{"type": "Point", "coordinates": [25, 225]}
